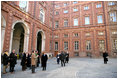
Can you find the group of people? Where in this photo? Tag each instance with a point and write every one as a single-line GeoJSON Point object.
{"type": "Point", "coordinates": [30, 60]}
{"type": "Point", "coordinates": [63, 57]}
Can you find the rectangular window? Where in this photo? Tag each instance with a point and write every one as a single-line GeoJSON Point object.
{"type": "Point", "coordinates": [42, 15]}
{"type": "Point", "coordinates": [87, 20]}
{"type": "Point", "coordinates": [75, 22]}
{"type": "Point", "coordinates": [99, 18]}
{"type": "Point", "coordinates": [65, 45]}
{"type": "Point", "coordinates": [87, 34]}
{"type": "Point", "coordinates": [76, 45]}
{"type": "Point", "coordinates": [65, 4]}
{"type": "Point", "coordinates": [66, 35]}
{"type": "Point", "coordinates": [66, 23]}
{"type": "Point", "coordinates": [111, 3]}
{"type": "Point", "coordinates": [56, 24]}
{"type": "Point", "coordinates": [88, 45]}
{"type": "Point", "coordinates": [56, 45]}
{"type": "Point", "coordinates": [99, 5]}
{"type": "Point", "coordinates": [101, 45]}
{"type": "Point", "coordinates": [113, 17]}
{"type": "Point", "coordinates": [65, 11]}
{"type": "Point", "coordinates": [115, 44]}
{"type": "Point", "coordinates": [114, 32]}
{"type": "Point", "coordinates": [76, 34]}
{"type": "Point", "coordinates": [74, 2]}
{"type": "Point", "coordinates": [56, 6]}
{"type": "Point", "coordinates": [23, 5]}
{"type": "Point", "coordinates": [86, 8]}
{"type": "Point", "coordinates": [75, 9]}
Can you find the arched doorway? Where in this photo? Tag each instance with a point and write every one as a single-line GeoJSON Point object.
{"type": "Point", "coordinates": [19, 37]}
{"type": "Point", "coordinates": [39, 42]}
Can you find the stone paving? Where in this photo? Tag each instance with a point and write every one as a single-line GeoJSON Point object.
{"type": "Point", "coordinates": [76, 68]}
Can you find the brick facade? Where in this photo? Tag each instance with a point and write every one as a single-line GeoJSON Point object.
{"type": "Point", "coordinates": [11, 13]}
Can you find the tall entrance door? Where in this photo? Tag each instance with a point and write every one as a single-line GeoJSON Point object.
{"type": "Point", "coordinates": [39, 42]}
{"type": "Point", "coordinates": [18, 38]}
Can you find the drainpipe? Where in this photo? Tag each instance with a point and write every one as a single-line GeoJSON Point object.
{"type": "Point", "coordinates": [52, 28]}
{"type": "Point", "coordinates": [105, 27]}
{"type": "Point", "coordinates": [33, 25]}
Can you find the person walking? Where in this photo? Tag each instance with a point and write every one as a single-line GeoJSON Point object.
{"type": "Point", "coordinates": [23, 61]}
{"type": "Point", "coordinates": [58, 58]}
{"type": "Point", "coordinates": [44, 59]}
{"type": "Point", "coordinates": [105, 55]}
{"type": "Point", "coordinates": [67, 57]}
{"type": "Point", "coordinates": [12, 61]}
{"type": "Point", "coordinates": [62, 58]}
{"type": "Point", "coordinates": [5, 61]}
{"type": "Point", "coordinates": [38, 58]}
{"type": "Point", "coordinates": [33, 61]}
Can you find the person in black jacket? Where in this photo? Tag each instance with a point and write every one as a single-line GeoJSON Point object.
{"type": "Point", "coordinates": [29, 60]}
{"type": "Point", "coordinates": [12, 61]}
{"type": "Point", "coordinates": [67, 57]}
{"type": "Point", "coordinates": [44, 59]}
{"type": "Point", "coordinates": [105, 54]}
{"type": "Point", "coordinates": [62, 58]}
{"type": "Point", "coordinates": [23, 61]}
{"type": "Point", "coordinates": [58, 58]}
{"type": "Point", "coordinates": [5, 61]}
{"type": "Point", "coordinates": [38, 58]}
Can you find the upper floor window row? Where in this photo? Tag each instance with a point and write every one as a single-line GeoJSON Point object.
{"type": "Point", "coordinates": [111, 3]}
{"type": "Point", "coordinates": [74, 2]}
{"type": "Point", "coordinates": [99, 5]}
{"type": "Point", "coordinates": [86, 7]}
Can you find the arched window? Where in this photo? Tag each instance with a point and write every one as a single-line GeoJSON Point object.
{"type": "Point", "coordinates": [23, 5]}
{"type": "Point", "coordinates": [42, 15]}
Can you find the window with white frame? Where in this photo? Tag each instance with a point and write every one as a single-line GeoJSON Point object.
{"type": "Point", "coordinates": [75, 22]}
{"type": "Point", "coordinates": [113, 17]}
{"type": "Point", "coordinates": [76, 45]}
{"type": "Point", "coordinates": [56, 45]}
{"type": "Point", "coordinates": [101, 45]}
{"type": "Point", "coordinates": [65, 23]}
{"type": "Point", "coordinates": [100, 33]}
{"type": "Point", "coordinates": [65, 35]}
{"type": "Point", "coordinates": [88, 45]}
{"type": "Point", "coordinates": [56, 24]}
{"type": "Point", "coordinates": [65, 11]}
{"type": "Point", "coordinates": [75, 34]}
{"type": "Point", "coordinates": [99, 5]}
{"type": "Point", "coordinates": [115, 44]}
{"type": "Point", "coordinates": [65, 45]}
{"type": "Point", "coordinates": [23, 5]}
{"type": "Point", "coordinates": [86, 7]}
{"type": "Point", "coordinates": [111, 3]}
{"type": "Point", "coordinates": [87, 20]}
{"type": "Point", "coordinates": [75, 9]}
{"type": "Point", "coordinates": [99, 18]}
{"type": "Point", "coordinates": [74, 2]}
{"type": "Point", "coordinates": [42, 15]}
{"type": "Point", "coordinates": [65, 4]}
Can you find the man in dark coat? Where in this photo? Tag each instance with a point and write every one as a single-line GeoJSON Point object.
{"type": "Point", "coordinates": [44, 59]}
{"type": "Point", "coordinates": [105, 54]}
{"type": "Point", "coordinates": [12, 61]}
{"type": "Point", "coordinates": [29, 60]}
{"type": "Point", "coordinates": [67, 57]}
{"type": "Point", "coordinates": [23, 61]}
{"type": "Point", "coordinates": [5, 61]}
{"type": "Point", "coordinates": [62, 58]}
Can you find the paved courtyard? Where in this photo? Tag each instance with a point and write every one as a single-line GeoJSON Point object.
{"type": "Point", "coordinates": [76, 68]}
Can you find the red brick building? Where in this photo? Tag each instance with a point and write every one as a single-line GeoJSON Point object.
{"type": "Point", "coordinates": [83, 28]}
